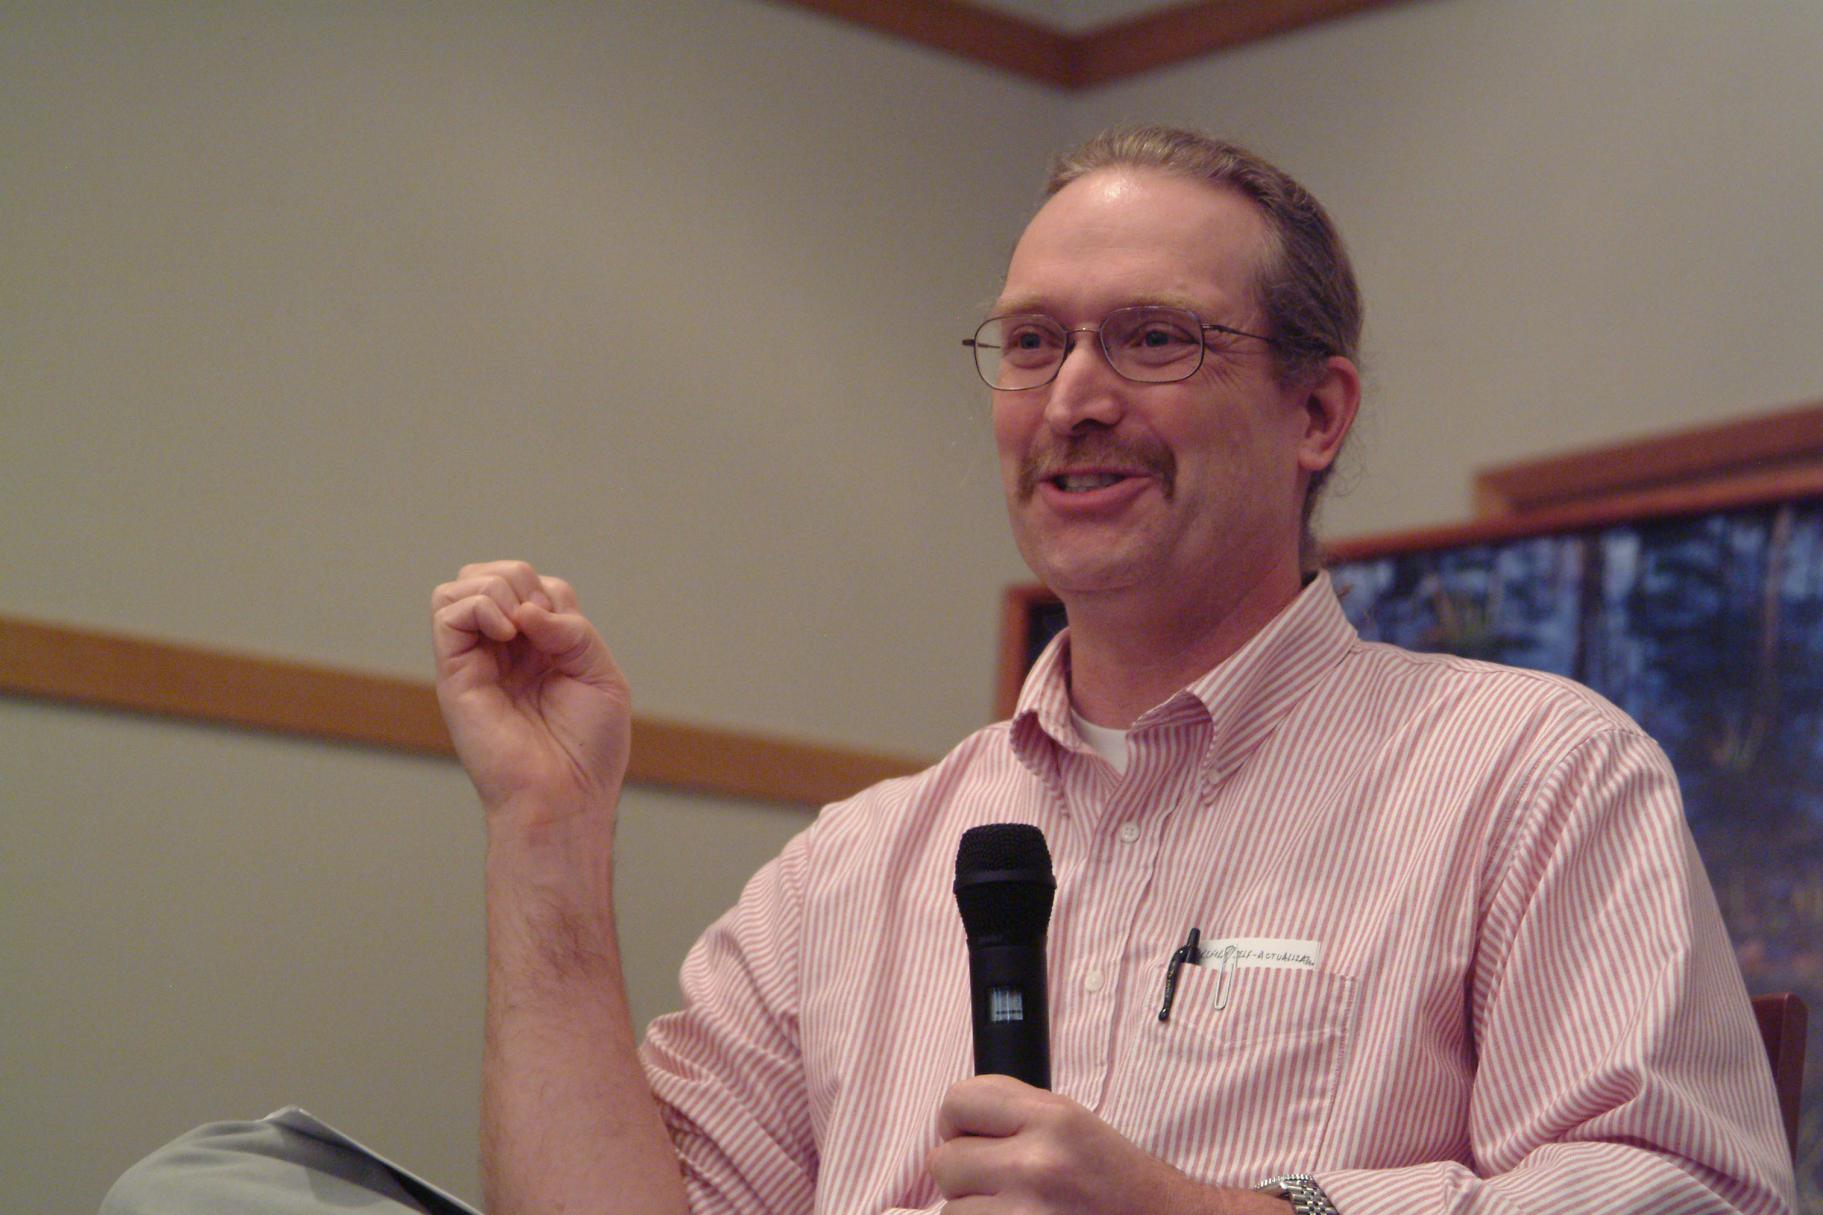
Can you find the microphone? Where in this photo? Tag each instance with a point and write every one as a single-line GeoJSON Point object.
{"type": "Point", "coordinates": [1004, 889]}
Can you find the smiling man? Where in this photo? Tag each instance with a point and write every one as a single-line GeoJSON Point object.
{"type": "Point", "coordinates": [1456, 950]}
{"type": "Point", "coordinates": [1157, 447]}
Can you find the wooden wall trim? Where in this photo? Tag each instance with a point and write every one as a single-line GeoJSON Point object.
{"type": "Point", "coordinates": [1016, 606]}
{"type": "Point", "coordinates": [1191, 31]}
{"type": "Point", "coordinates": [1739, 451]}
{"type": "Point", "coordinates": [1113, 52]}
{"type": "Point", "coordinates": [1663, 502]}
{"type": "Point", "coordinates": [968, 31]}
{"type": "Point", "coordinates": [113, 671]}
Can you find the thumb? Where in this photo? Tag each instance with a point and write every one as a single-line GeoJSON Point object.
{"type": "Point", "coordinates": [570, 642]}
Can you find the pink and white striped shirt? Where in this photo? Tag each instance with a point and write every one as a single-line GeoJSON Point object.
{"type": "Point", "coordinates": [1460, 954]}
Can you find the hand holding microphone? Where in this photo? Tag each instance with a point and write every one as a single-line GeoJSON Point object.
{"type": "Point", "coordinates": [1010, 1146]}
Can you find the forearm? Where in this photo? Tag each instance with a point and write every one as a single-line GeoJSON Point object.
{"type": "Point", "coordinates": [568, 1123]}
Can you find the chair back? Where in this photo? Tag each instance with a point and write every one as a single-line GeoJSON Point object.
{"type": "Point", "coordinates": [1783, 1019]}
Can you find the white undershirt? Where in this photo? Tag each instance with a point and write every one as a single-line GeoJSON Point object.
{"type": "Point", "coordinates": [1105, 741]}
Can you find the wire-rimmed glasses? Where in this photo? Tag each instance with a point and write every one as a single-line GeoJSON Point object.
{"type": "Point", "coordinates": [1148, 343]}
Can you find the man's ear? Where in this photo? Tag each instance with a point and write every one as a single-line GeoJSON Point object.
{"type": "Point", "coordinates": [1329, 407]}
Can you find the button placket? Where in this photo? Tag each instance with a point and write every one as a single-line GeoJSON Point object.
{"type": "Point", "coordinates": [1133, 852]}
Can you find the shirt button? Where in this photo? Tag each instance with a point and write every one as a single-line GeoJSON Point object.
{"type": "Point", "coordinates": [1128, 832]}
{"type": "Point", "coordinates": [1091, 982]}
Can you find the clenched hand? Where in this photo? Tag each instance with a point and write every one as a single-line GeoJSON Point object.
{"type": "Point", "coordinates": [539, 712]}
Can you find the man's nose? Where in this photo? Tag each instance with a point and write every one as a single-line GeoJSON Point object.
{"type": "Point", "coordinates": [1086, 388]}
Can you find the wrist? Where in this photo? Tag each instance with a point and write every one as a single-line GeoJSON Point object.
{"type": "Point", "coordinates": [1301, 1192]}
{"type": "Point", "coordinates": [564, 862]}
{"type": "Point", "coordinates": [1249, 1202]}
{"type": "Point", "coordinates": [550, 831]}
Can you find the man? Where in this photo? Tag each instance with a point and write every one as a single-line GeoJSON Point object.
{"type": "Point", "coordinates": [1458, 953]}
{"type": "Point", "coordinates": [1513, 990]}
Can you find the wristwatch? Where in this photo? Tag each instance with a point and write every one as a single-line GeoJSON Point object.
{"type": "Point", "coordinates": [1305, 1195]}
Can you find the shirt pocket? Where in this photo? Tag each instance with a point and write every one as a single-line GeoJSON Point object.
{"type": "Point", "coordinates": [1234, 1094]}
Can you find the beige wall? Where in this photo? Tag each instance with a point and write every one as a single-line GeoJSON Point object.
{"type": "Point", "coordinates": [306, 304]}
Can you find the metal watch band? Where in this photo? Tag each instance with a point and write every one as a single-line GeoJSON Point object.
{"type": "Point", "coordinates": [1307, 1197]}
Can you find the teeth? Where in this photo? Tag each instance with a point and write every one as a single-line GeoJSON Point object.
{"type": "Point", "coordinates": [1074, 483]}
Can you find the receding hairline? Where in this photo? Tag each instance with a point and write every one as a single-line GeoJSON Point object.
{"type": "Point", "coordinates": [1267, 243]}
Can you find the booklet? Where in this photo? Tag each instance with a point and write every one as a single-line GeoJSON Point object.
{"type": "Point", "coordinates": [430, 1195]}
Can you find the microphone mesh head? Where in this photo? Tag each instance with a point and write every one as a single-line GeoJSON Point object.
{"type": "Point", "coordinates": [1003, 847]}
{"type": "Point", "coordinates": [1004, 885]}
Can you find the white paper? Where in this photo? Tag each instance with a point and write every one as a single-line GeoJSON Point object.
{"type": "Point", "coordinates": [304, 1122]}
{"type": "Point", "coordinates": [1271, 953]}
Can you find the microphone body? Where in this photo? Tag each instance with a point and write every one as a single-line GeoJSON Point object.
{"type": "Point", "coordinates": [1004, 889]}
{"type": "Point", "coordinates": [1012, 1018]}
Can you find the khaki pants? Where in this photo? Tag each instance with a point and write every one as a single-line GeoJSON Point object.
{"type": "Point", "coordinates": [263, 1168]}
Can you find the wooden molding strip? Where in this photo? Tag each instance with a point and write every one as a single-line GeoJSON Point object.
{"type": "Point", "coordinates": [1016, 607]}
{"type": "Point", "coordinates": [1191, 31]}
{"type": "Point", "coordinates": [1733, 493]}
{"type": "Point", "coordinates": [968, 31]}
{"type": "Point", "coordinates": [1728, 451]}
{"type": "Point", "coordinates": [113, 671]}
{"type": "Point", "coordinates": [1113, 52]}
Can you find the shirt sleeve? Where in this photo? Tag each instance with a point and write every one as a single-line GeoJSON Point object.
{"type": "Point", "coordinates": [1618, 1066]}
{"type": "Point", "coordinates": [727, 1068]}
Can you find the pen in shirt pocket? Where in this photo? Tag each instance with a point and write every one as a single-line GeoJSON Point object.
{"type": "Point", "coordinates": [1191, 952]}
{"type": "Point", "coordinates": [1187, 952]}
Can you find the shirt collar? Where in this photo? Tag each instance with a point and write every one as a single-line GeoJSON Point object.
{"type": "Point", "coordinates": [1243, 698]}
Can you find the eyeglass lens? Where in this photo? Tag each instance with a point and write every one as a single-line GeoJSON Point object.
{"type": "Point", "coordinates": [1149, 344]}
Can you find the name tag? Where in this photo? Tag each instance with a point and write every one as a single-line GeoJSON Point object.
{"type": "Point", "coordinates": [1232, 954]}
{"type": "Point", "coordinates": [1269, 953]}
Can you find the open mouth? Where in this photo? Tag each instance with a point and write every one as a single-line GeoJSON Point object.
{"type": "Point", "coordinates": [1082, 483]}
{"type": "Point", "coordinates": [1096, 474]}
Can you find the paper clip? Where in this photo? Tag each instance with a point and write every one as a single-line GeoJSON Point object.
{"type": "Point", "coordinates": [1224, 979]}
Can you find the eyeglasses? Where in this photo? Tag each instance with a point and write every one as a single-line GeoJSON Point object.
{"type": "Point", "coordinates": [1149, 343]}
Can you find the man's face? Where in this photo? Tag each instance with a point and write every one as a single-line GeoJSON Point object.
{"type": "Point", "coordinates": [1112, 484]}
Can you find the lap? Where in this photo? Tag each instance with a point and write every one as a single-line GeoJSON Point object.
{"type": "Point", "coordinates": [262, 1168]}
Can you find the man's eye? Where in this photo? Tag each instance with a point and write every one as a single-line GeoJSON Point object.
{"type": "Point", "coordinates": [1161, 337]}
{"type": "Point", "coordinates": [1028, 345]}
{"type": "Point", "coordinates": [1030, 338]}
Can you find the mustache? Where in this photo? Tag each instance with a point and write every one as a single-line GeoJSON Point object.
{"type": "Point", "coordinates": [1097, 447]}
